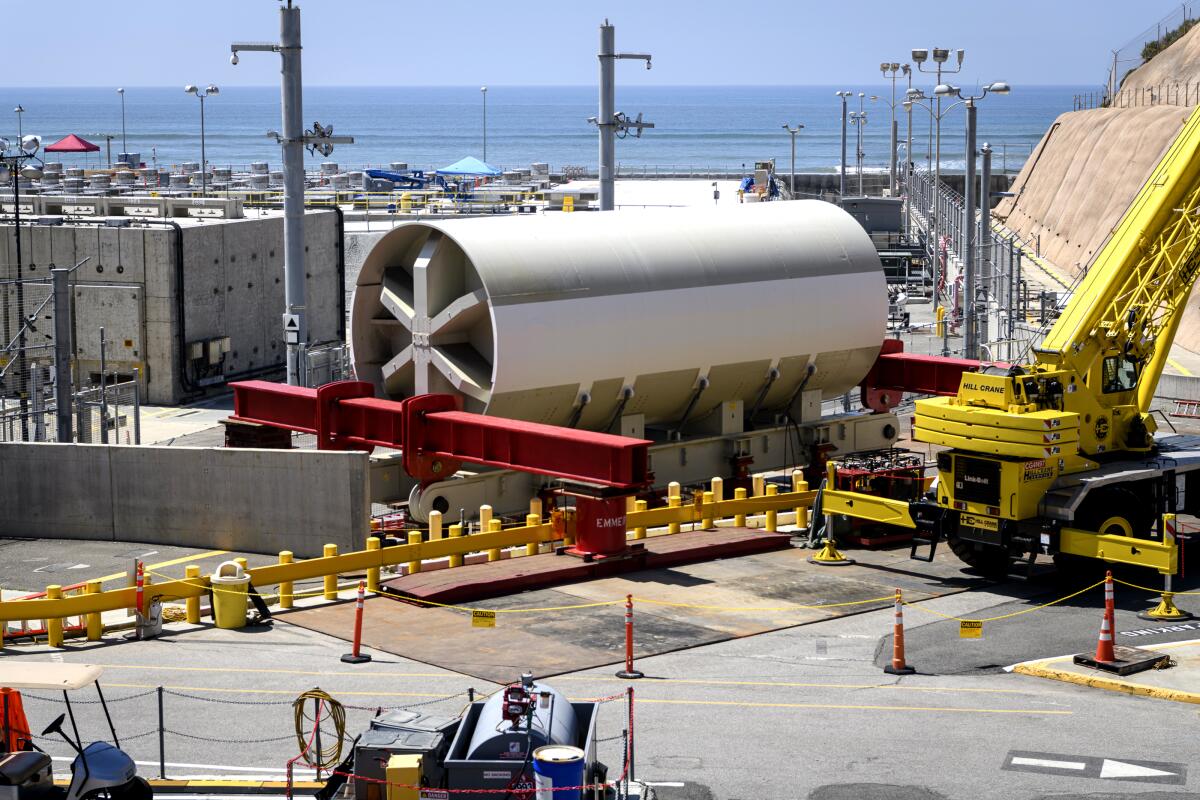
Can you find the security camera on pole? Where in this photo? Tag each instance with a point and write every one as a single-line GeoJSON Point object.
{"type": "Point", "coordinates": [609, 123]}
{"type": "Point", "coordinates": [294, 139]}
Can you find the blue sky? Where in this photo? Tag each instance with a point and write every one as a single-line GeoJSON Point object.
{"type": "Point", "coordinates": [453, 42]}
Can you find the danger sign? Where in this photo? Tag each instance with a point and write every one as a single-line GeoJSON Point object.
{"type": "Point", "coordinates": [970, 629]}
{"type": "Point", "coordinates": [483, 619]}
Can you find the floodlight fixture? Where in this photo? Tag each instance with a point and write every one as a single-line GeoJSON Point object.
{"type": "Point", "coordinates": [919, 55]}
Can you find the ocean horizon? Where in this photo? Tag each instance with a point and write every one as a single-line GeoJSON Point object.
{"type": "Point", "coordinates": [696, 127]}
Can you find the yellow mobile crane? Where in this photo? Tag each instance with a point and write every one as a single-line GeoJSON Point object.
{"type": "Point", "coordinates": [1059, 456]}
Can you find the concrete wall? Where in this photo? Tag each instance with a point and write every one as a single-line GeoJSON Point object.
{"type": "Point", "coordinates": [250, 500]}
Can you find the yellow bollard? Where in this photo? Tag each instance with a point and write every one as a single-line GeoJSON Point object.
{"type": "Point", "coordinates": [759, 485]}
{"type": "Point", "coordinates": [940, 316]}
{"type": "Point", "coordinates": [718, 489]}
{"type": "Point", "coordinates": [192, 604]}
{"type": "Point", "coordinates": [494, 526]}
{"type": "Point", "coordinates": [414, 538]}
{"type": "Point", "coordinates": [95, 627]}
{"type": "Point", "coordinates": [243, 563]}
{"type": "Point", "coordinates": [800, 485]}
{"type": "Point", "coordinates": [640, 531]}
{"type": "Point", "coordinates": [673, 501]}
{"type": "Point", "coordinates": [54, 628]}
{"type": "Point", "coordinates": [456, 533]}
{"type": "Point", "coordinates": [706, 521]}
{"type": "Point", "coordinates": [772, 523]}
{"type": "Point", "coordinates": [373, 544]}
{"type": "Point", "coordinates": [435, 525]}
{"type": "Point", "coordinates": [535, 507]}
{"type": "Point", "coordinates": [485, 518]}
{"type": "Point", "coordinates": [630, 503]}
{"type": "Point", "coordinates": [739, 520]}
{"type": "Point", "coordinates": [532, 521]}
{"type": "Point", "coordinates": [331, 581]}
{"type": "Point", "coordinates": [286, 597]}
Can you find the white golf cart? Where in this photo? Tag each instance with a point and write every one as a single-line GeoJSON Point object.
{"type": "Point", "coordinates": [100, 771]}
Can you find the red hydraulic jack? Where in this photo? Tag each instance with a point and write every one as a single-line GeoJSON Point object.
{"type": "Point", "coordinates": [599, 525]}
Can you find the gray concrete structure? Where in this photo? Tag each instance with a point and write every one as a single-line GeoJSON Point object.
{"type": "Point", "coordinates": [249, 500]}
{"type": "Point", "coordinates": [192, 302]}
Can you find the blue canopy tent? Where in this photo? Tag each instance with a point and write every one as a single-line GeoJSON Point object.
{"type": "Point", "coordinates": [470, 167]}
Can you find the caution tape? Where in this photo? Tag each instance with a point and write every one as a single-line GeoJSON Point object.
{"type": "Point", "coordinates": [1147, 589]}
{"type": "Point", "coordinates": [920, 607]}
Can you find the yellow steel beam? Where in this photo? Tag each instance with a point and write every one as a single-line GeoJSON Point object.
{"type": "Point", "coordinates": [1120, 549]}
{"type": "Point", "coordinates": [868, 507]}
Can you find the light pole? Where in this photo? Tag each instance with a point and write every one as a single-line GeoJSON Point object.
{"type": "Point", "coordinates": [192, 90]}
{"type": "Point", "coordinates": [970, 194]}
{"type": "Point", "coordinates": [19, 110]}
{"type": "Point", "coordinates": [842, 183]}
{"type": "Point", "coordinates": [940, 57]}
{"type": "Point", "coordinates": [608, 122]}
{"type": "Point", "coordinates": [859, 120]}
{"type": "Point", "coordinates": [483, 91]}
{"type": "Point", "coordinates": [293, 141]}
{"type": "Point", "coordinates": [124, 144]}
{"type": "Point", "coordinates": [891, 69]}
{"type": "Point", "coordinates": [17, 165]}
{"type": "Point", "coordinates": [793, 131]}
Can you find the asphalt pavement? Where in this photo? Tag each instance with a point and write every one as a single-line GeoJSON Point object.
{"type": "Point", "coordinates": [804, 712]}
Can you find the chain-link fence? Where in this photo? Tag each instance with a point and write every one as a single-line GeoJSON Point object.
{"type": "Point", "coordinates": [1144, 46]}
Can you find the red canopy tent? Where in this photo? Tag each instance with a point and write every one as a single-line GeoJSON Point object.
{"type": "Point", "coordinates": [72, 144]}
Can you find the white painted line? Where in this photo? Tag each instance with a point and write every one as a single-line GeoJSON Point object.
{"type": "Point", "coordinates": [272, 771]}
{"type": "Point", "coordinates": [673, 784]}
{"type": "Point", "coordinates": [1049, 763]}
{"type": "Point", "coordinates": [80, 566]}
{"type": "Point", "coordinates": [1119, 769]}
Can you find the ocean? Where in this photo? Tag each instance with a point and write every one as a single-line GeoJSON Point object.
{"type": "Point", "coordinates": [427, 127]}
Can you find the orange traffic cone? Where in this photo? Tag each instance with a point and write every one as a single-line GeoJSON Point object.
{"type": "Point", "coordinates": [898, 665]}
{"type": "Point", "coordinates": [1104, 646]}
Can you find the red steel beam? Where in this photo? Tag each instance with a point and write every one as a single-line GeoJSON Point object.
{"type": "Point", "coordinates": [436, 437]}
{"type": "Point", "coordinates": [896, 373]}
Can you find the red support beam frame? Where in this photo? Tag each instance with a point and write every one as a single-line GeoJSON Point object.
{"type": "Point", "coordinates": [896, 373]}
{"type": "Point", "coordinates": [436, 438]}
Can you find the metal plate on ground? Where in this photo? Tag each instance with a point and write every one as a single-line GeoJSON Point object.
{"type": "Point", "coordinates": [696, 604]}
{"type": "Point", "coordinates": [1129, 661]}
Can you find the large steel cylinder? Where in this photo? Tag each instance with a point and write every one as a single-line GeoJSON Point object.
{"type": "Point", "coordinates": [622, 312]}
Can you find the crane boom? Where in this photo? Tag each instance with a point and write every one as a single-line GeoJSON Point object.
{"type": "Point", "coordinates": [1132, 296]}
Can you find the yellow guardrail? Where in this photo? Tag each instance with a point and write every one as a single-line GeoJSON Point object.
{"type": "Point", "coordinates": [706, 510]}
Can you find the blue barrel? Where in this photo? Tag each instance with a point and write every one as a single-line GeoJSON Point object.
{"type": "Point", "coordinates": [558, 765]}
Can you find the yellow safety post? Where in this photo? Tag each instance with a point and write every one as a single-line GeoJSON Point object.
{"type": "Point", "coordinates": [414, 538]}
{"type": "Point", "coordinates": [772, 523]}
{"type": "Point", "coordinates": [330, 582]}
{"type": "Point", "coordinates": [800, 485]}
{"type": "Point", "coordinates": [759, 485]}
{"type": "Point", "coordinates": [535, 507]}
{"type": "Point", "coordinates": [456, 533]}
{"type": "Point", "coordinates": [739, 519]}
{"type": "Point", "coordinates": [95, 627]}
{"type": "Point", "coordinates": [568, 203]}
{"type": "Point", "coordinates": [630, 503]}
{"type": "Point", "coordinates": [673, 501]}
{"type": "Point", "coordinates": [494, 526]}
{"type": "Point", "coordinates": [435, 525]}
{"type": "Point", "coordinates": [940, 316]}
{"type": "Point", "coordinates": [532, 521]}
{"type": "Point", "coordinates": [403, 777]}
{"type": "Point", "coordinates": [706, 522]}
{"type": "Point", "coordinates": [718, 489]}
{"type": "Point", "coordinates": [192, 604]}
{"type": "Point", "coordinates": [374, 544]}
{"type": "Point", "coordinates": [1166, 608]}
{"type": "Point", "coordinates": [485, 518]}
{"type": "Point", "coordinates": [54, 628]}
{"type": "Point", "coordinates": [241, 562]}
{"type": "Point", "coordinates": [286, 597]}
{"type": "Point", "coordinates": [640, 531]}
